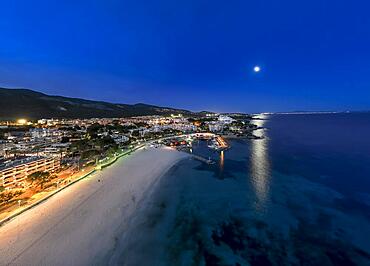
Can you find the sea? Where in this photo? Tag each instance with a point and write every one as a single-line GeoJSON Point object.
{"type": "Point", "coordinates": [298, 196]}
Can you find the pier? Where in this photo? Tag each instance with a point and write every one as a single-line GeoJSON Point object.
{"type": "Point", "coordinates": [202, 159]}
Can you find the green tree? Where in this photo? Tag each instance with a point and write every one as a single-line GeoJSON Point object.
{"type": "Point", "coordinates": [39, 177]}
{"type": "Point", "coordinates": [135, 133]}
{"type": "Point", "coordinates": [111, 151]}
{"type": "Point", "coordinates": [79, 145]}
{"type": "Point", "coordinates": [93, 130]}
{"type": "Point", "coordinates": [141, 124]}
{"type": "Point", "coordinates": [89, 154]}
{"type": "Point", "coordinates": [7, 196]}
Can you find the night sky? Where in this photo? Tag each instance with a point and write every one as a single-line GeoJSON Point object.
{"type": "Point", "coordinates": [193, 54]}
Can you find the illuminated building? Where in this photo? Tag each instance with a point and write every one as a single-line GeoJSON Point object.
{"type": "Point", "coordinates": [225, 119]}
{"type": "Point", "coordinates": [16, 171]}
{"type": "Point", "coordinates": [215, 127]}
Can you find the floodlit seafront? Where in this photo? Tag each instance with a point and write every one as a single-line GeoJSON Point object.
{"type": "Point", "coordinates": [83, 224]}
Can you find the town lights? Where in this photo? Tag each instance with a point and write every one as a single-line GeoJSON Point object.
{"type": "Point", "coordinates": [21, 121]}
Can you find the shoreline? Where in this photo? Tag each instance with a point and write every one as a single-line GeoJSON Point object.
{"type": "Point", "coordinates": [11, 217]}
{"type": "Point", "coordinates": [149, 228]}
{"type": "Point", "coordinates": [96, 211]}
{"type": "Point", "coordinates": [148, 206]}
{"type": "Point", "coordinates": [28, 206]}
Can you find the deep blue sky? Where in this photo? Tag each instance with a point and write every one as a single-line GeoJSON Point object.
{"type": "Point", "coordinates": [194, 54]}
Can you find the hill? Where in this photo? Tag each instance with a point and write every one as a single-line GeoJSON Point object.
{"type": "Point", "coordinates": [16, 103]}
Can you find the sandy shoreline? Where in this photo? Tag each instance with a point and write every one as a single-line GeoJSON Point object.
{"type": "Point", "coordinates": [148, 229]}
{"type": "Point", "coordinates": [83, 224]}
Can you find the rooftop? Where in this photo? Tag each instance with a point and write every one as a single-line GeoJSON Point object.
{"type": "Point", "coordinates": [18, 161]}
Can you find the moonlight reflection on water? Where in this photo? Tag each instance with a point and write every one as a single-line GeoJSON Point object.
{"type": "Point", "coordinates": [222, 161]}
{"type": "Point", "coordinates": [260, 165]}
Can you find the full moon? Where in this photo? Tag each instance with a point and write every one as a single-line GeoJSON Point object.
{"type": "Point", "coordinates": [256, 69]}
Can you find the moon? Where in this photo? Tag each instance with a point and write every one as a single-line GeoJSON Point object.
{"type": "Point", "coordinates": [256, 69]}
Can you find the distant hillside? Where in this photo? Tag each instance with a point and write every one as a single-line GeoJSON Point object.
{"type": "Point", "coordinates": [16, 103]}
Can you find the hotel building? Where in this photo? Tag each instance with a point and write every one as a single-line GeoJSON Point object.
{"type": "Point", "coordinates": [15, 172]}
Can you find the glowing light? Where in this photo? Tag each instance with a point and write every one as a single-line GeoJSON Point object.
{"type": "Point", "coordinates": [21, 121]}
{"type": "Point", "coordinates": [222, 161]}
{"type": "Point", "coordinates": [256, 69]}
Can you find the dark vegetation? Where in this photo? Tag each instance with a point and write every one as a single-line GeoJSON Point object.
{"type": "Point", "coordinates": [23, 103]}
{"type": "Point", "coordinates": [40, 178]}
{"type": "Point", "coordinates": [96, 145]}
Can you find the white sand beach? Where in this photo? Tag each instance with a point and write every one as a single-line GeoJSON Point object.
{"type": "Point", "coordinates": [82, 224]}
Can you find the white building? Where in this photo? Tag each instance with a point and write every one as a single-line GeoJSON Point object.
{"type": "Point", "coordinates": [183, 127]}
{"type": "Point", "coordinates": [225, 119]}
{"type": "Point", "coordinates": [120, 139]}
{"type": "Point", "coordinates": [216, 127]}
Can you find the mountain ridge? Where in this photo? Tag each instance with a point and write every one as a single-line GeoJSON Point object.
{"type": "Point", "coordinates": [30, 104]}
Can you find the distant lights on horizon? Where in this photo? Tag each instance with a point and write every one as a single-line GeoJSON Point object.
{"type": "Point", "coordinates": [22, 121]}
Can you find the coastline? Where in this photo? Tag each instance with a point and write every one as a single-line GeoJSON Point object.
{"type": "Point", "coordinates": [147, 230]}
{"type": "Point", "coordinates": [87, 220]}
{"type": "Point", "coordinates": [8, 216]}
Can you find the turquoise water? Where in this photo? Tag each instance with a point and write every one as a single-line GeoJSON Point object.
{"type": "Point", "coordinates": [300, 196]}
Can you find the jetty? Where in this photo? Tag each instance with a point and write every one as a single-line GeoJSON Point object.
{"type": "Point", "coordinates": [202, 159]}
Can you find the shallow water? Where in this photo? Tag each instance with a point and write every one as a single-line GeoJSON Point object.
{"type": "Point", "coordinates": [300, 196]}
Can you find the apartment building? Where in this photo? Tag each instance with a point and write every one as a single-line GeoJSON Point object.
{"type": "Point", "coordinates": [15, 172]}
